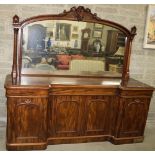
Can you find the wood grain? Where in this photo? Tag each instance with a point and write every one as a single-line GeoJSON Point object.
{"type": "Point", "coordinates": [47, 109]}
{"type": "Point", "coordinates": [42, 114]}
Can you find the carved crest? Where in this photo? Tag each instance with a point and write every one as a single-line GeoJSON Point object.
{"type": "Point", "coordinates": [81, 13]}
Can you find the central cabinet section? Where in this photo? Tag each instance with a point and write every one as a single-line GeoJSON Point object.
{"type": "Point", "coordinates": [84, 112]}
{"type": "Point", "coordinates": [97, 115]}
{"type": "Point", "coordinates": [66, 115]}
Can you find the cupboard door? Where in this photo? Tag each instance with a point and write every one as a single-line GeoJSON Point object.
{"type": "Point", "coordinates": [27, 120]}
{"type": "Point", "coordinates": [133, 116]}
{"type": "Point", "coordinates": [98, 114]}
{"type": "Point", "coordinates": [66, 115]}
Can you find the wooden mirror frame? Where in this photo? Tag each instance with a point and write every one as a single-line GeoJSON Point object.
{"type": "Point", "coordinates": [74, 14]}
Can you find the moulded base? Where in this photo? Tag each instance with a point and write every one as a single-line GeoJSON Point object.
{"type": "Point", "coordinates": [69, 140]}
{"type": "Point", "coordinates": [26, 146]}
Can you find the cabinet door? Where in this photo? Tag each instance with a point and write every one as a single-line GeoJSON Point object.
{"type": "Point", "coordinates": [98, 114]}
{"type": "Point", "coordinates": [26, 120]}
{"type": "Point", "coordinates": [66, 115]}
{"type": "Point", "coordinates": [133, 115]}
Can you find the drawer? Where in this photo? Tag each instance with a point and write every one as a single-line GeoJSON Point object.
{"type": "Point", "coordinates": [82, 91]}
{"type": "Point", "coordinates": [26, 92]}
{"type": "Point", "coordinates": [141, 93]}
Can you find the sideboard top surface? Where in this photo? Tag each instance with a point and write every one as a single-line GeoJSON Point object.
{"type": "Point", "coordinates": [46, 82]}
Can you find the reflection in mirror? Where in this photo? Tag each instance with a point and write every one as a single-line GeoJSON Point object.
{"type": "Point", "coordinates": [72, 47]}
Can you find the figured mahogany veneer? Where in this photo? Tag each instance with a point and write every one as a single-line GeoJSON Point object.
{"type": "Point", "coordinates": [54, 111]}
{"type": "Point", "coordinates": [54, 108]}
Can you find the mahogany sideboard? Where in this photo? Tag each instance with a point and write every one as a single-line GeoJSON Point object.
{"type": "Point", "coordinates": [55, 110]}
{"type": "Point", "coordinates": [49, 102]}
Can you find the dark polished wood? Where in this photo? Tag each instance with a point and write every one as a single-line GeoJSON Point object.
{"type": "Point", "coordinates": [60, 110]}
{"type": "Point", "coordinates": [54, 108]}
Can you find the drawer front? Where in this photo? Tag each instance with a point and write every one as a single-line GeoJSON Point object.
{"type": "Point", "coordinates": [27, 92]}
{"type": "Point", "coordinates": [142, 93]}
{"type": "Point", "coordinates": [83, 91]}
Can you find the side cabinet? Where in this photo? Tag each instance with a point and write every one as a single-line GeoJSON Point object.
{"type": "Point", "coordinates": [134, 106]}
{"type": "Point", "coordinates": [27, 119]}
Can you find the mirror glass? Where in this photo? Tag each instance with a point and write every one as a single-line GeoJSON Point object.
{"type": "Point", "coordinates": [72, 48]}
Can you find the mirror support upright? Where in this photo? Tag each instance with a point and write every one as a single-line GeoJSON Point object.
{"type": "Point", "coordinates": [125, 75]}
{"type": "Point", "coordinates": [14, 66]}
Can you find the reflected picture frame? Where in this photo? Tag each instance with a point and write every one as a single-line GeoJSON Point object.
{"type": "Point", "coordinates": [97, 34]}
{"type": "Point", "coordinates": [149, 37]}
{"type": "Point", "coordinates": [98, 26]}
{"type": "Point", "coordinates": [75, 36]}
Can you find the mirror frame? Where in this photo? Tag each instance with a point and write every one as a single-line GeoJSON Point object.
{"type": "Point", "coordinates": [74, 14]}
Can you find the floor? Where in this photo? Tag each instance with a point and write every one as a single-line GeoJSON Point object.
{"type": "Point", "coordinates": [148, 144]}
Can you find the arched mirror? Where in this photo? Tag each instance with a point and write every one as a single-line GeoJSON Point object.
{"type": "Point", "coordinates": [52, 46]}
{"type": "Point", "coordinates": [74, 43]}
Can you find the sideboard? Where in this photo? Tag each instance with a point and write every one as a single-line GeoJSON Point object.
{"type": "Point", "coordinates": [57, 110]}
{"type": "Point", "coordinates": [49, 104]}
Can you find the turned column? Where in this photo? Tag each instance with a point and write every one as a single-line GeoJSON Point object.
{"type": "Point", "coordinates": [14, 72]}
